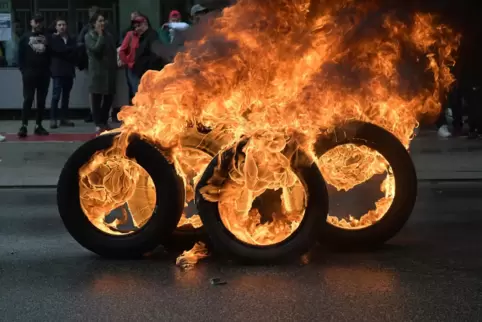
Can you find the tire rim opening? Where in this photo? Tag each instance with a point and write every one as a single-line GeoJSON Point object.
{"type": "Point", "coordinates": [361, 185]}
{"type": "Point", "coordinates": [265, 217]}
{"type": "Point", "coordinates": [117, 195]}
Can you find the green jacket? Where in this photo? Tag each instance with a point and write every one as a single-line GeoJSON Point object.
{"type": "Point", "coordinates": [102, 54]}
{"type": "Point", "coordinates": [164, 36]}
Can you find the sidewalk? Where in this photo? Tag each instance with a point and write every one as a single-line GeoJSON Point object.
{"type": "Point", "coordinates": [38, 161]}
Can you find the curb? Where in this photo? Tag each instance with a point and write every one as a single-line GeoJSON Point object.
{"type": "Point", "coordinates": [28, 187]}
{"type": "Point", "coordinates": [451, 180]}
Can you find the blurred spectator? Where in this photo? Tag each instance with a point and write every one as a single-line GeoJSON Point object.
{"type": "Point", "coordinates": [453, 105]}
{"type": "Point", "coordinates": [81, 37]}
{"type": "Point", "coordinates": [137, 51]}
{"type": "Point", "coordinates": [471, 78]}
{"type": "Point", "coordinates": [102, 53]}
{"type": "Point", "coordinates": [111, 29]}
{"type": "Point", "coordinates": [197, 11]}
{"type": "Point", "coordinates": [133, 15]}
{"type": "Point", "coordinates": [83, 60]}
{"type": "Point", "coordinates": [34, 64]}
{"type": "Point", "coordinates": [64, 56]}
{"type": "Point", "coordinates": [167, 32]}
{"type": "Point", "coordinates": [124, 33]}
{"type": "Point", "coordinates": [127, 55]}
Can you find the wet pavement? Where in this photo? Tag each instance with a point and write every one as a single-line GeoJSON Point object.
{"type": "Point", "coordinates": [431, 271]}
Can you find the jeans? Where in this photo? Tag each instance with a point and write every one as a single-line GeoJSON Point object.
{"type": "Point", "coordinates": [101, 105]}
{"type": "Point", "coordinates": [133, 81]}
{"type": "Point", "coordinates": [34, 83]}
{"type": "Point", "coordinates": [131, 94]}
{"type": "Point", "coordinates": [61, 87]}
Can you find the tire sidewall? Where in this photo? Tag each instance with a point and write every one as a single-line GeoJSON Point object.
{"type": "Point", "coordinates": [297, 244]}
{"type": "Point", "coordinates": [169, 201]}
{"type": "Point", "coordinates": [403, 203]}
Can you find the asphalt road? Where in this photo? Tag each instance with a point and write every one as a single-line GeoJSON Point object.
{"type": "Point", "coordinates": [432, 271]}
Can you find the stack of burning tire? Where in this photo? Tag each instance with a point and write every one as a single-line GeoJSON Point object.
{"type": "Point", "coordinates": [248, 137]}
{"type": "Point", "coordinates": [126, 209]}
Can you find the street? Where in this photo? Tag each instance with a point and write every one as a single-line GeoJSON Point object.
{"type": "Point", "coordinates": [282, 83]}
{"type": "Point", "coordinates": [429, 272]}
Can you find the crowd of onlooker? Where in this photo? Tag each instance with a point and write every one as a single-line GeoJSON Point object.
{"type": "Point", "coordinates": [45, 53]}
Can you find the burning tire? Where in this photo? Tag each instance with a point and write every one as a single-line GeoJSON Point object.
{"type": "Point", "coordinates": [265, 244]}
{"type": "Point", "coordinates": [357, 139]}
{"type": "Point", "coordinates": [86, 195]}
{"type": "Point", "coordinates": [199, 149]}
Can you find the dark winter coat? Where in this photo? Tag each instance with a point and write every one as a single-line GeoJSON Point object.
{"type": "Point", "coordinates": [145, 58]}
{"type": "Point", "coordinates": [102, 71]}
{"type": "Point", "coordinates": [82, 62]}
{"type": "Point", "coordinates": [64, 56]}
{"type": "Point", "coordinates": [85, 30]}
{"type": "Point", "coordinates": [34, 54]}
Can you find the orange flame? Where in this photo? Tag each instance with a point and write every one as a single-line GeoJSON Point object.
{"type": "Point", "coordinates": [299, 69]}
{"type": "Point", "coordinates": [188, 259]}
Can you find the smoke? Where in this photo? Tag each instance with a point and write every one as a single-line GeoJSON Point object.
{"type": "Point", "coordinates": [273, 62]}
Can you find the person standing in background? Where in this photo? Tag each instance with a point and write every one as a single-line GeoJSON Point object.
{"type": "Point", "coordinates": [102, 53]}
{"type": "Point", "coordinates": [81, 37]}
{"type": "Point", "coordinates": [124, 34]}
{"type": "Point", "coordinates": [64, 56]}
{"type": "Point", "coordinates": [197, 11]}
{"type": "Point", "coordinates": [144, 58]}
{"type": "Point", "coordinates": [470, 79]}
{"type": "Point", "coordinates": [127, 56]}
{"type": "Point", "coordinates": [34, 64]}
{"type": "Point", "coordinates": [83, 59]}
{"type": "Point", "coordinates": [167, 32]}
{"type": "Point", "coordinates": [136, 51]}
{"type": "Point", "coordinates": [133, 15]}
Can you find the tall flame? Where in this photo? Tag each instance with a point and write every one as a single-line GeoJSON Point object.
{"type": "Point", "coordinates": [283, 70]}
{"type": "Point", "coordinates": [294, 70]}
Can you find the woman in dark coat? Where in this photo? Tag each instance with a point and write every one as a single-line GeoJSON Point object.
{"type": "Point", "coordinates": [102, 72]}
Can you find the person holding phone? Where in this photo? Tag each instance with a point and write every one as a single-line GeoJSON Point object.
{"type": "Point", "coordinates": [102, 72]}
